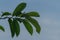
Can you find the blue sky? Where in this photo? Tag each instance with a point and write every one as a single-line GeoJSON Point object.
{"type": "Point", "coordinates": [49, 20]}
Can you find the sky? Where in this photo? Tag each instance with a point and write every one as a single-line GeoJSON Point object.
{"type": "Point", "coordinates": [49, 19]}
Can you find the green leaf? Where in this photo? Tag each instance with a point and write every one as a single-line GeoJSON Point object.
{"type": "Point", "coordinates": [12, 28]}
{"type": "Point", "coordinates": [28, 26]}
{"type": "Point", "coordinates": [18, 19]}
{"type": "Point", "coordinates": [1, 28]}
{"type": "Point", "coordinates": [6, 13]}
{"type": "Point", "coordinates": [35, 23]}
{"type": "Point", "coordinates": [19, 8]}
{"type": "Point", "coordinates": [17, 27]}
{"type": "Point", "coordinates": [34, 14]}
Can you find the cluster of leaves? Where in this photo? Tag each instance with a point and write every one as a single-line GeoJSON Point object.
{"type": "Point", "coordinates": [18, 17]}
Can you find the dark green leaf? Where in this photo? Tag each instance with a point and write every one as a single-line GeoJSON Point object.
{"type": "Point", "coordinates": [34, 14]}
{"type": "Point", "coordinates": [17, 14]}
{"type": "Point", "coordinates": [17, 27]}
{"type": "Point", "coordinates": [19, 8]}
{"type": "Point", "coordinates": [23, 15]}
{"type": "Point", "coordinates": [6, 13]}
{"type": "Point", "coordinates": [1, 28]}
{"type": "Point", "coordinates": [20, 20]}
{"type": "Point", "coordinates": [28, 26]}
{"type": "Point", "coordinates": [35, 23]}
{"type": "Point", "coordinates": [12, 28]}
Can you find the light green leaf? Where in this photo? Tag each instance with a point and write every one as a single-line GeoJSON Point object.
{"type": "Point", "coordinates": [1, 28]}
{"type": "Point", "coordinates": [34, 14]}
{"type": "Point", "coordinates": [17, 27]}
{"type": "Point", "coordinates": [35, 23]}
{"type": "Point", "coordinates": [12, 28]}
{"type": "Point", "coordinates": [19, 8]}
{"type": "Point", "coordinates": [6, 13]}
{"type": "Point", "coordinates": [28, 26]}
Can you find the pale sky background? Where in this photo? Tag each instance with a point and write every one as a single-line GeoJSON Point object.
{"type": "Point", "coordinates": [49, 19]}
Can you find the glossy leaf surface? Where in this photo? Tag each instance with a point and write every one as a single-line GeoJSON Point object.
{"type": "Point", "coordinates": [17, 27]}
{"type": "Point", "coordinates": [34, 14]}
{"type": "Point", "coordinates": [6, 14]}
{"type": "Point", "coordinates": [19, 8]}
{"type": "Point", "coordinates": [1, 28]}
{"type": "Point", "coordinates": [28, 26]}
{"type": "Point", "coordinates": [35, 23]}
{"type": "Point", "coordinates": [12, 28]}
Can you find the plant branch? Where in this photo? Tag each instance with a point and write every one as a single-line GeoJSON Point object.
{"type": "Point", "coordinates": [5, 17]}
{"type": "Point", "coordinates": [8, 17]}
